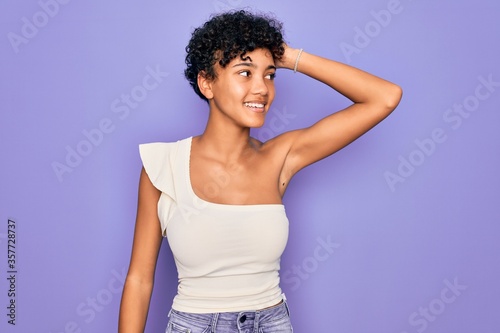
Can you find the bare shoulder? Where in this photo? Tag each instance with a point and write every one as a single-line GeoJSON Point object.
{"type": "Point", "coordinates": [278, 146]}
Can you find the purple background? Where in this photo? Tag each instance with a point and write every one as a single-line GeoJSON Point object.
{"type": "Point", "coordinates": [410, 213]}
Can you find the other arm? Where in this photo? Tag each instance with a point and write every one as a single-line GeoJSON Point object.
{"type": "Point", "coordinates": [138, 286]}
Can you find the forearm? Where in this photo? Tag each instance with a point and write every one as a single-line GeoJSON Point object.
{"type": "Point", "coordinates": [355, 84]}
{"type": "Point", "coordinates": [134, 306]}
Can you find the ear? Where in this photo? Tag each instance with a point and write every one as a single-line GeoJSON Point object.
{"type": "Point", "coordinates": [205, 85]}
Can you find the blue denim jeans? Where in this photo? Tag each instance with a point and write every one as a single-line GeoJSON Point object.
{"type": "Point", "coordinates": [275, 319]}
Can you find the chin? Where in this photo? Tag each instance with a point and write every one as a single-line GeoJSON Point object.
{"type": "Point", "coordinates": [255, 124]}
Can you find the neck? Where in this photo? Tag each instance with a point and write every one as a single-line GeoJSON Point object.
{"type": "Point", "coordinates": [225, 139]}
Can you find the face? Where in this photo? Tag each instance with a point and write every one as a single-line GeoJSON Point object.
{"type": "Point", "coordinates": [244, 90]}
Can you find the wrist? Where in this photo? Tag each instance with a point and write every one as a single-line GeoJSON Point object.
{"type": "Point", "coordinates": [289, 58]}
{"type": "Point", "coordinates": [297, 60]}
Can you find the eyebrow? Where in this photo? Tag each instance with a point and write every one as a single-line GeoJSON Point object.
{"type": "Point", "coordinates": [249, 64]}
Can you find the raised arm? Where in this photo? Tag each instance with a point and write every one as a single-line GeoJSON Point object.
{"type": "Point", "coordinates": [140, 277]}
{"type": "Point", "coordinates": [373, 99]}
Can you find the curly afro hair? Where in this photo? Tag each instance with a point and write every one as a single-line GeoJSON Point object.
{"type": "Point", "coordinates": [226, 36]}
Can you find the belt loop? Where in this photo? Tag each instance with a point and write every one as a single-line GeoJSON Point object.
{"type": "Point", "coordinates": [215, 317]}
{"type": "Point", "coordinates": [287, 308]}
{"type": "Point", "coordinates": [256, 321]}
{"type": "Point", "coordinates": [169, 313]}
{"type": "Point", "coordinates": [286, 304]}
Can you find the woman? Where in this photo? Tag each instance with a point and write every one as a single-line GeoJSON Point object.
{"type": "Point", "coordinates": [218, 196]}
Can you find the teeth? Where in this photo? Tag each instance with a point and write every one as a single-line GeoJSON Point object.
{"type": "Point", "coordinates": [254, 105]}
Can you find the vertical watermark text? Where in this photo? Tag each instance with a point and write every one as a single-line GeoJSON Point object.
{"type": "Point", "coordinates": [12, 271]}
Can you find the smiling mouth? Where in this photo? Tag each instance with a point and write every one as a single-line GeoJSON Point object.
{"type": "Point", "coordinates": [256, 107]}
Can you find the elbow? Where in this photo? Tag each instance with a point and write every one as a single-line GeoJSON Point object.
{"type": "Point", "coordinates": [139, 282]}
{"type": "Point", "coordinates": [393, 97]}
{"type": "Point", "coordinates": [388, 100]}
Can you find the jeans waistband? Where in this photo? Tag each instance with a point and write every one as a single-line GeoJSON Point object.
{"type": "Point", "coordinates": [221, 318]}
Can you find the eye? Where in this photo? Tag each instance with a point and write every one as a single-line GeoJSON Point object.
{"type": "Point", "coordinates": [244, 73]}
{"type": "Point", "coordinates": [271, 76]}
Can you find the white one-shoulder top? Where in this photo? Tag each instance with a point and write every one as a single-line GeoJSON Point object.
{"type": "Point", "coordinates": [227, 256]}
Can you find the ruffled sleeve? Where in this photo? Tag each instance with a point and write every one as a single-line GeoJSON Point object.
{"type": "Point", "coordinates": [157, 159]}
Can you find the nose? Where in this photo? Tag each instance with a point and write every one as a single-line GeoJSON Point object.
{"type": "Point", "coordinates": [261, 86]}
